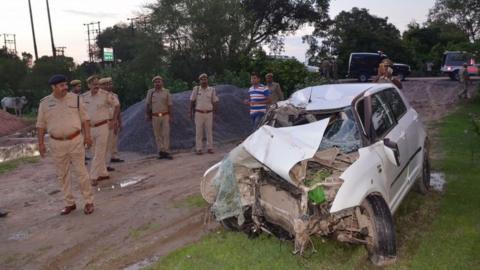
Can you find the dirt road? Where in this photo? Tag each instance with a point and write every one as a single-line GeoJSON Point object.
{"type": "Point", "coordinates": [141, 213]}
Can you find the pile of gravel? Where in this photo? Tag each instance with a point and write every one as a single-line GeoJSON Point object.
{"type": "Point", "coordinates": [231, 122]}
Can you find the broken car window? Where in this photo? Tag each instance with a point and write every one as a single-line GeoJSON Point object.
{"type": "Point", "coordinates": [393, 99]}
{"type": "Point", "coordinates": [342, 132]}
{"type": "Point", "coordinates": [382, 118]}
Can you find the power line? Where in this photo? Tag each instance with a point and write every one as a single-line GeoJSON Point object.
{"type": "Point", "coordinates": [54, 52]}
{"type": "Point", "coordinates": [60, 51]}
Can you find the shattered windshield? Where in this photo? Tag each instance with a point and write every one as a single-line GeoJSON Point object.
{"type": "Point", "coordinates": [342, 132]}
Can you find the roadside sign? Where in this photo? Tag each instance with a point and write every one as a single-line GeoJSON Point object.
{"type": "Point", "coordinates": [108, 54]}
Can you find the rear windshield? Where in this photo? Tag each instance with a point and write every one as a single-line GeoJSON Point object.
{"type": "Point", "coordinates": [457, 59]}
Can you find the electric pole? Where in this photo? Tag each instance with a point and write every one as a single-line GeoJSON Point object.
{"type": "Point", "coordinates": [92, 33]}
{"type": "Point", "coordinates": [60, 51]}
{"type": "Point", "coordinates": [10, 43]}
{"type": "Point", "coordinates": [51, 32]}
{"type": "Point", "coordinates": [33, 31]}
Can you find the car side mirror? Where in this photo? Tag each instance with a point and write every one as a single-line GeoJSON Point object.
{"type": "Point", "coordinates": [392, 152]}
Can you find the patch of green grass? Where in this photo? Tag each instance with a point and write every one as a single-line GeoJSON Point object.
{"type": "Point", "coordinates": [436, 231]}
{"type": "Point", "coordinates": [192, 201]}
{"type": "Point", "coordinates": [142, 230]}
{"type": "Point", "coordinates": [13, 164]}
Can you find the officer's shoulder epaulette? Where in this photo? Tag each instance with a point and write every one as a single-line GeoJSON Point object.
{"type": "Point", "coordinates": [45, 98]}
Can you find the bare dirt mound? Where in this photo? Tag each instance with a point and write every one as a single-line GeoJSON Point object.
{"type": "Point", "coordinates": [10, 123]}
{"type": "Point", "coordinates": [230, 123]}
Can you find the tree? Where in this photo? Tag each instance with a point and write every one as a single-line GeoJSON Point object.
{"type": "Point", "coordinates": [12, 72]}
{"type": "Point", "coordinates": [356, 31]}
{"type": "Point", "coordinates": [464, 13]}
{"type": "Point", "coordinates": [215, 35]}
{"type": "Point", "coordinates": [427, 43]}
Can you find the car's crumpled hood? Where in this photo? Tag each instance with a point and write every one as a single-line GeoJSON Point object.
{"type": "Point", "coordinates": [280, 149]}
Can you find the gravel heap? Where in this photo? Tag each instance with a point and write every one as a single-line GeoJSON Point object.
{"type": "Point", "coordinates": [231, 122]}
{"type": "Point", "coordinates": [10, 123]}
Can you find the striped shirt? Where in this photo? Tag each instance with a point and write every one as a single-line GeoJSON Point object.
{"type": "Point", "coordinates": [258, 99]}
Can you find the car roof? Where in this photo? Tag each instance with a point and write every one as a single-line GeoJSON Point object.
{"type": "Point", "coordinates": [332, 96]}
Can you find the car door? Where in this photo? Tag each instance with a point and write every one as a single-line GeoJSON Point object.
{"type": "Point", "coordinates": [385, 125]}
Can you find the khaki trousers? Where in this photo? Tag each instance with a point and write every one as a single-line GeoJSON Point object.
{"type": "Point", "coordinates": [161, 131]}
{"type": "Point", "coordinates": [203, 123]}
{"type": "Point", "coordinates": [108, 153]}
{"type": "Point", "coordinates": [70, 155]}
{"type": "Point", "coordinates": [99, 148]}
{"type": "Point", "coordinates": [114, 146]}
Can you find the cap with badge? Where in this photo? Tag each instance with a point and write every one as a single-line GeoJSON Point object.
{"type": "Point", "coordinates": [203, 75]}
{"type": "Point", "coordinates": [91, 78]}
{"type": "Point", "coordinates": [157, 78]}
{"type": "Point", "coordinates": [56, 79]}
{"type": "Point", "coordinates": [75, 82]}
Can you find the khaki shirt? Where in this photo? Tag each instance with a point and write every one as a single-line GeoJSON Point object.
{"type": "Point", "coordinates": [159, 100]}
{"type": "Point", "coordinates": [204, 98]}
{"type": "Point", "coordinates": [275, 92]}
{"type": "Point", "coordinates": [112, 108]}
{"type": "Point", "coordinates": [98, 105]}
{"type": "Point", "coordinates": [61, 117]}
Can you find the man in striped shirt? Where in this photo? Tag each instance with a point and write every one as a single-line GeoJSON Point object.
{"type": "Point", "coordinates": [259, 99]}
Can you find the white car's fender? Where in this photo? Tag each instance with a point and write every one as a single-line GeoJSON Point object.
{"type": "Point", "coordinates": [361, 179]}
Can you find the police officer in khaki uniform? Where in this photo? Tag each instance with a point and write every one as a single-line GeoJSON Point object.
{"type": "Point", "coordinates": [203, 103]}
{"type": "Point", "coordinates": [114, 145]}
{"type": "Point", "coordinates": [158, 110]}
{"type": "Point", "coordinates": [98, 103]}
{"type": "Point", "coordinates": [114, 126]}
{"type": "Point", "coordinates": [62, 115]}
{"type": "Point", "coordinates": [276, 93]}
{"type": "Point", "coordinates": [76, 87]}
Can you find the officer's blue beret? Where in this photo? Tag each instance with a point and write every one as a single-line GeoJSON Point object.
{"type": "Point", "coordinates": [58, 78]}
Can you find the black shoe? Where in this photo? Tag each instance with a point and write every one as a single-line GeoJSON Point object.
{"type": "Point", "coordinates": [110, 169]}
{"type": "Point", "coordinates": [167, 156]}
{"type": "Point", "coordinates": [3, 213]}
{"type": "Point", "coordinates": [161, 155]}
{"type": "Point", "coordinates": [116, 160]}
{"type": "Point", "coordinates": [87, 158]}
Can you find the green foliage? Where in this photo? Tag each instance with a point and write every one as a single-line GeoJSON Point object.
{"type": "Point", "coordinates": [428, 43]}
{"type": "Point", "coordinates": [463, 13]}
{"type": "Point", "coordinates": [356, 31]}
{"type": "Point", "coordinates": [11, 165]}
{"type": "Point", "coordinates": [12, 71]}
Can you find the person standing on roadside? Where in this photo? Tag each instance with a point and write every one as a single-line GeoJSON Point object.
{"type": "Point", "coordinates": [76, 87]}
{"type": "Point", "coordinates": [114, 145]}
{"type": "Point", "coordinates": [465, 81]}
{"type": "Point", "coordinates": [275, 89]}
{"type": "Point", "coordinates": [98, 103]}
{"type": "Point", "coordinates": [259, 99]}
{"type": "Point", "coordinates": [63, 116]}
{"type": "Point", "coordinates": [203, 103]}
{"type": "Point", "coordinates": [158, 110]}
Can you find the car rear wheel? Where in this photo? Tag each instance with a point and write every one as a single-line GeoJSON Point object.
{"type": "Point", "coordinates": [381, 242]}
{"type": "Point", "coordinates": [363, 77]}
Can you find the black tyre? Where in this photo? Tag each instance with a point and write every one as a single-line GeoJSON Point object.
{"type": "Point", "coordinates": [363, 77]}
{"type": "Point", "coordinates": [381, 247]}
{"type": "Point", "coordinates": [423, 182]}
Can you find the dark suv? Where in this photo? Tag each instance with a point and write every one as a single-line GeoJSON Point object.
{"type": "Point", "coordinates": [364, 65]}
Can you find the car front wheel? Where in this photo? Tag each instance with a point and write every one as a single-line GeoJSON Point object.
{"type": "Point", "coordinates": [423, 182]}
{"type": "Point", "coordinates": [363, 78]}
{"type": "Point", "coordinates": [381, 241]}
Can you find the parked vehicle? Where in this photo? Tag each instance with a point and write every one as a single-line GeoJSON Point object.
{"type": "Point", "coordinates": [363, 65]}
{"type": "Point", "coordinates": [333, 160]}
{"type": "Point", "coordinates": [453, 61]}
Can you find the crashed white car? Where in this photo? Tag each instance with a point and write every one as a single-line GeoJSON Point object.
{"type": "Point", "coordinates": [333, 160]}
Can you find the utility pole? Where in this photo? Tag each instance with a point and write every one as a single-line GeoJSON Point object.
{"type": "Point", "coordinates": [51, 32]}
{"type": "Point", "coordinates": [10, 43]}
{"type": "Point", "coordinates": [33, 31]}
{"type": "Point", "coordinates": [60, 51]}
{"type": "Point", "coordinates": [92, 33]}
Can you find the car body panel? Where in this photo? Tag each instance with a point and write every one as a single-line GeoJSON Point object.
{"type": "Point", "coordinates": [281, 148]}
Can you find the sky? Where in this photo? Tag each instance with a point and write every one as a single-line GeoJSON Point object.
{"type": "Point", "coordinates": [69, 16]}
